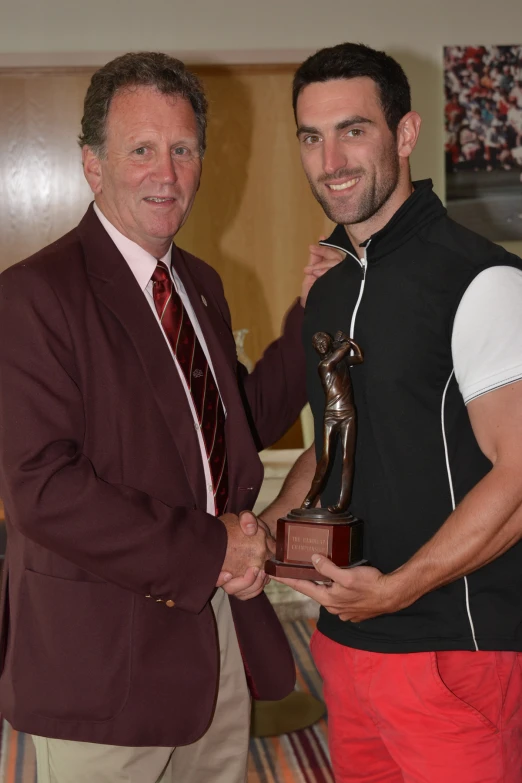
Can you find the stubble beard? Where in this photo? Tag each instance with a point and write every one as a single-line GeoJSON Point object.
{"type": "Point", "coordinates": [370, 201]}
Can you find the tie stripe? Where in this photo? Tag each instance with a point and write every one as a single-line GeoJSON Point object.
{"type": "Point", "coordinates": [200, 379]}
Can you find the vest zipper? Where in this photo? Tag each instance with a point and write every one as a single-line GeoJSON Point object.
{"type": "Point", "coordinates": [363, 262]}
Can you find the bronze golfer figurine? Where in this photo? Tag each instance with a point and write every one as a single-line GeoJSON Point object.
{"type": "Point", "coordinates": [339, 414]}
{"type": "Point", "coordinates": [332, 531]}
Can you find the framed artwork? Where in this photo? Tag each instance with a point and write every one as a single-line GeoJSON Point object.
{"type": "Point", "coordinates": [483, 145]}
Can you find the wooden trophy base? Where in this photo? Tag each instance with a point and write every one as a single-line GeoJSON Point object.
{"type": "Point", "coordinates": [289, 571]}
{"type": "Point", "coordinates": [305, 532]}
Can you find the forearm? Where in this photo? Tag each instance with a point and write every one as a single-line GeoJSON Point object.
{"type": "Point", "coordinates": [294, 489]}
{"type": "Point", "coordinates": [337, 356]}
{"type": "Point", "coordinates": [486, 524]}
{"type": "Point", "coordinates": [275, 392]}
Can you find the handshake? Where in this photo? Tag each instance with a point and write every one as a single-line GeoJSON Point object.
{"type": "Point", "coordinates": [250, 544]}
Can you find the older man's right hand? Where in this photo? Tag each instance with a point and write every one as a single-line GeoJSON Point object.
{"type": "Point", "coordinates": [250, 544]}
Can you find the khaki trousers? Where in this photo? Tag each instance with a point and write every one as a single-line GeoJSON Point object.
{"type": "Point", "coordinates": [220, 756]}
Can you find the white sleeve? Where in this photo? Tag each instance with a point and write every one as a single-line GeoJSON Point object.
{"type": "Point", "coordinates": [486, 342]}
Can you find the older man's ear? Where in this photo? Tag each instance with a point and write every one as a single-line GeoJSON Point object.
{"type": "Point", "coordinates": [92, 169]}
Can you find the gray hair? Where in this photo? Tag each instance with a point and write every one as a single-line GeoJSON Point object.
{"type": "Point", "coordinates": [139, 69]}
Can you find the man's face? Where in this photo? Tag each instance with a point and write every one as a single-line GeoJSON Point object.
{"type": "Point", "coordinates": [348, 153]}
{"type": "Point", "coordinates": [147, 181]}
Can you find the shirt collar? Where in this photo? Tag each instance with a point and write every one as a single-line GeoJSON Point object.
{"type": "Point", "coordinates": [142, 264]}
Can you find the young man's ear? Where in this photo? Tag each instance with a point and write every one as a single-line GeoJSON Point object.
{"type": "Point", "coordinates": [408, 133]}
{"type": "Point", "coordinates": [92, 169]}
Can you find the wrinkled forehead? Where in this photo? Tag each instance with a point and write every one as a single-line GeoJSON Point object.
{"type": "Point", "coordinates": [135, 107]}
{"type": "Point", "coordinates": [328, 103]}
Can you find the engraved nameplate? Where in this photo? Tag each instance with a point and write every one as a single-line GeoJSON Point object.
{"type": "Point", "coordinates": [302, 541]}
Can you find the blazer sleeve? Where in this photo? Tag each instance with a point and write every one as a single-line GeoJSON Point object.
{"type": "Point", "coordinates": [50, 488]}
{"type": "Point", "coordinates": [274, 393]}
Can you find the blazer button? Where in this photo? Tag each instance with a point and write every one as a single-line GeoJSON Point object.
{"type": "Point", "coordinates": [170, 603]}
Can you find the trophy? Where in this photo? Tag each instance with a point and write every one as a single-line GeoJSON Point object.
{"type": "Point", "coordinates": [332, 531]}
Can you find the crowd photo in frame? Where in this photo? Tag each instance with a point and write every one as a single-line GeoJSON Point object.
{"type": "Point", "coordinates": [483, 144]}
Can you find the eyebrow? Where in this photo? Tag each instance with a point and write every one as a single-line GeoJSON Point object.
{"type": "Point", "coordinates": [347, 123]}
{"type": "Point", "coordinates": [136, 142]}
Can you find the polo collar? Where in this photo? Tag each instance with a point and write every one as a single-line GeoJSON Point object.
{"type": "Point", "coordinates": [420, 209]}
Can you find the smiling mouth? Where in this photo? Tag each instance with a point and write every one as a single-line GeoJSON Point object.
{"type": "Point", "coordinates": [344, 185]}
{"type": "Point", "coordinates": [158, 200]}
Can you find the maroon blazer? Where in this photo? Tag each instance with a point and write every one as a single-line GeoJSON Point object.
{"type": "Point", "coordinates": [104, 491]}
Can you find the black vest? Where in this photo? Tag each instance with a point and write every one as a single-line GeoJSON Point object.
{"type": "Point", "coordinates": [416, 453]}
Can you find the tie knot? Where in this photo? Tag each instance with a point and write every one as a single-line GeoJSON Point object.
{"type": "Point", "coordinates": [161, 273]}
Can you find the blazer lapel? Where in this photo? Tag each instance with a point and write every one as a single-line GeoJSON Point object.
{"type": "Point", "coordinates": [114, 284]}
{"type": "Point", "coordinates": [244, 467]}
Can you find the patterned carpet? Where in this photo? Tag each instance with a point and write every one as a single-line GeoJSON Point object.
{"type": "Point", "coordinates": [299, 757]}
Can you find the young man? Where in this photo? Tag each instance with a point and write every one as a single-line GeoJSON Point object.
{"type": "Point", "coordinates": [421, 650]}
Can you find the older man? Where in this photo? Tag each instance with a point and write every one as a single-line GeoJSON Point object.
{"type": "Point", "coordinates": [127, 448]}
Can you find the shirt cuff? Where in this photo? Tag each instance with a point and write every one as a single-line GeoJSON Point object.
{"type": "Point", "coordinates": [491, 383]}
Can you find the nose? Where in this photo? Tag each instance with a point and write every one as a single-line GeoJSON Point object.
{"type": "Point", "coordinates": [334, 157]}
{"type": "Point", "coordinates": [165, 168]}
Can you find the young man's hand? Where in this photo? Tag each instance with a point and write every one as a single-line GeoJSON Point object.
{"type": "Point", "coordinates": [355, 593]}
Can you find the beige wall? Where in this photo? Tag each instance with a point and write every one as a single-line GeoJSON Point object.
{"type": "Point", "coordinates": [414, 31]}
{"type": "Point", "coordinates": [417, 25]}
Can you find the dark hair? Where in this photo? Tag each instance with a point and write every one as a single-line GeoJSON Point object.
{"type": "Point", "coordinates": [143, 69]}
{"type": "Point", "coordinates": [349, 60]}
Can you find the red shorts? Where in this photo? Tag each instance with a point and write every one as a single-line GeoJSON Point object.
{"type": "Point", "coordinates": [439, 717]}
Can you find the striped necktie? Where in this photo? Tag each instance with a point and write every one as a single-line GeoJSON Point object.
{"type": "Point", "coordinates": [200, 379]}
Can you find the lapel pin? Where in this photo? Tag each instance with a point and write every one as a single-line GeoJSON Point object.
{"type": "Point", "coordinates": [204, 300]}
